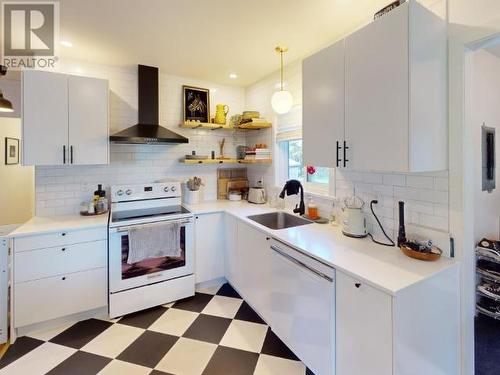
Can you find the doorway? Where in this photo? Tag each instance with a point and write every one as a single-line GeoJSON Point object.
{"type": "Point", "coordinates": [481, 140]}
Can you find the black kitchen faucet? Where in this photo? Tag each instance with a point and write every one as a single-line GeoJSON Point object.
{"type": "Point", "coordinates": [293, 187]}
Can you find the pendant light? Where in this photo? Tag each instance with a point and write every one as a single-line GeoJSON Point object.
{"type": "Point", "coordinates": [282, 100]}
{"type": "Point", "coordinates": [5, 105]}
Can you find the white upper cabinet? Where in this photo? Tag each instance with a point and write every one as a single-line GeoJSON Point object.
{"type": "Point", "coordinates": [88, 118]}
{"type": "Point", "coordinates": [45, 118]}
{"type": "Point", "coordinates": [377, 94]}
{"type": "Point", "coordinates": [323, 106]}
{"type": "Point", "coordinates": [396, 92]}
{"type": "Point", "coordinates": [392, 114]}
{"type": "Point", "coordinates": [65, 119]}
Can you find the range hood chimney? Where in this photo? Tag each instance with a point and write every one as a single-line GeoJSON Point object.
{"type": "Point", "coordinates": [148, 130]}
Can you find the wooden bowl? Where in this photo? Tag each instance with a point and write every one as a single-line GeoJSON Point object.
{"type": "Point", "coordinates": [435, 253]}
{"type": "Point", "coordinates": [86, 213]}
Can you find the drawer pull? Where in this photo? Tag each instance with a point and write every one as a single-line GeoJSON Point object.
{"type": "Point", "coordinates": [63, 234]}
{"type": "Point", "coordinates": [357, 285]}
{"type": "Point", "coordinates": [63, 278]}
{"type": "Point", "coordinates": [63, 249]}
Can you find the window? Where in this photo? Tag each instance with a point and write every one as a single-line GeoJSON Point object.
{"type": "Point", "coordinates": [294, 168]}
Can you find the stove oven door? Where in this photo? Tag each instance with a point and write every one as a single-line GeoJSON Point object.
{"type": "Point", "coordinates": [123, 275]}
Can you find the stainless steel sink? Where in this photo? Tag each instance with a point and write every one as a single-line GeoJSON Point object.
{"type": "Point", "coordinates": [279, 220]}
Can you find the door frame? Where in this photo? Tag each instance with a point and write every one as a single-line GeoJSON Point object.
{"type": "Point", "coordinates": [461, 158]}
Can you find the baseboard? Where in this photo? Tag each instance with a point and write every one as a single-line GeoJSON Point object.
{"type": "Point", "coordinates": [54, 323]}
{"type": "Point", "coordinates": [211, 283]}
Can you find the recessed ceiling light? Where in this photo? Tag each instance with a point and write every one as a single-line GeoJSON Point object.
{"type": "Point", "coordinates": [233, 76]}
{"type": "Point", "coordinates": [66, 43]}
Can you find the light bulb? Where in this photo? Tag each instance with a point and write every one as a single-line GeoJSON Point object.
{"type": "Point", "coordinates": [282, 102]}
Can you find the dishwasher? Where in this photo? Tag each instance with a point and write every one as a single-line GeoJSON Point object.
{"type": "Point", "coordinates": [302, 306]}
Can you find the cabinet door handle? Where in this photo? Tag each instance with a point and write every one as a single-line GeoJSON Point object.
{"type": "Point", "coordinates": [338, 149]}
{"type": "Point", "coordinates": [63, 278]}
{"type": "Point", "coordinates": [63, 234]}
{"type": "Point", "coordinates": [345, 154]}
{"type": "Point", "coordinates": [71, 154]}
{"type": "Point", "coordinates": [63, 249]}
{"type": "Point", "coordinates": [64, 154]}
{"type": "Point", "coordinates": [357, 285]}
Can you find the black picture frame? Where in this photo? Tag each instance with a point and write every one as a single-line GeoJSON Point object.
{"type": "Point", "coordinates": [196, 104]}
{"type": "Point", "coordinates": [11, 151]}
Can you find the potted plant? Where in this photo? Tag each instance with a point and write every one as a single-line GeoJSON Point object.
{"type": "Point", "coordinates": [193, 186]}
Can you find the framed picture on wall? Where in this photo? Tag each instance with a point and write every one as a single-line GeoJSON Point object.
{"type": "Point", "coordinates": [11, 151]}
{"type": "Point", "coordinates": [196, 104]}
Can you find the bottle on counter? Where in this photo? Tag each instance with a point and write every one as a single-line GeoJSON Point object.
{"type": "Point", "coordinates": [97, 194]}
{"type": "Point", "coordinates": [312, 209]}
{"type": "Point", "coordinates": [99, 200]}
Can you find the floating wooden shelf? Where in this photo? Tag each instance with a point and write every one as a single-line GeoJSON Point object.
{"type": "Point", "coordinates": [204, 125]}
{"type": "Point", "coordinates": [255, 125]}
{"type": "Point", "coordinates": [207, 125]}
{"type": "Point", "coordinates": [226, 161]}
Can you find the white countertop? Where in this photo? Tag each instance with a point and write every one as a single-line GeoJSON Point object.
{"type": "Point", "coordinates": [385, 268]}
{"type": "Point", "coordinates": [46, 224]}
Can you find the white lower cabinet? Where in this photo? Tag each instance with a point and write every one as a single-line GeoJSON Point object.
{"type": "Point", "coordinates": [209, 247]}
{"type": "Point", "coordinates": [231, 258]}
{"type": "Point", "coordinates": [364, 328]}
{"type": "Point", "coordinates": [255, 268]}
{"type": "Point", "coordinates": [54, 297]}
{"type": "Point", "coordinates": [336, 324]}
{"type": "Point", "coordinates": [59, 274]}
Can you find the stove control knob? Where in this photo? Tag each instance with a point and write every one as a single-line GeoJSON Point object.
{"type": "Point", "coordinates": [119, 193]}
{"type": "Point", "coordinates": [173, 188]}
{"type": "Point", "coordinates": [128, 192]}
{"type": "Point", "coordinates": [166, 189]}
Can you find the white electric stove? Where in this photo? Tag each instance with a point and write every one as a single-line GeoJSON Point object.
{"type": "Point", "coordinates": [152, 281]}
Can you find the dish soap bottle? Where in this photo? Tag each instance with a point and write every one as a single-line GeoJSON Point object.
{"type": "Point", "coordinates": [312, 209]}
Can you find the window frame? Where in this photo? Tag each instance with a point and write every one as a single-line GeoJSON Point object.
{"type": "Point", "coordinates": [282, 168]}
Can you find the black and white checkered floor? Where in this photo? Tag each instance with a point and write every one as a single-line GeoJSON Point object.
{"type": "Point", "coordinates": [214, 332]}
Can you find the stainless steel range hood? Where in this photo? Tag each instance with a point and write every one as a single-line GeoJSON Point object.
{"type": "Point", "coordinates": [148, 130]}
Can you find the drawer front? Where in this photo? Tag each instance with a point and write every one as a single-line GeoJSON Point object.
{"type": "Point", "coordinates": [55, 297]}
{"type": "Point", "coordinates": [53, 261]}
{"type": "Point", "coordinates": [59, 238]}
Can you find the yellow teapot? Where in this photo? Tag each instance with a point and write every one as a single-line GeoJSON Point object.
{"type": "Point", "coordinates": [221, 111]}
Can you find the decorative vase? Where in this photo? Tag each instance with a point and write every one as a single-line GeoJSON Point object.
{"type": "Point", "coordinates": [221, 111]}
{"type": "Point", "coordinates": [192, 197]}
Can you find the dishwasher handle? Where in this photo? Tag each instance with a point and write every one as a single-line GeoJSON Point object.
{"type": "Point", "coordinates": [301, 264]}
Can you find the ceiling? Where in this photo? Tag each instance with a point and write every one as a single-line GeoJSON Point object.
{"type": "Point", "coordinates": [207, 39]}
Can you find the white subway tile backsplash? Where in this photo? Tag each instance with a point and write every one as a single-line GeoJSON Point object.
{"type": "Point", "coordinates": [394, 179]}
{"type": "Point", "coordinates": [441, 183]}
{"type": "Point", "coordinates": [420, 182]}
{"type": "Point", "coordinates": [434, 222]}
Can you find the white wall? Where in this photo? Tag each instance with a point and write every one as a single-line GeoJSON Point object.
{"type": "Point", "coordinates": [59, 190]}
{"type": "Point", "coordinates": [485, 108]}
{"type": "Point", "coordinates": [16, 181]}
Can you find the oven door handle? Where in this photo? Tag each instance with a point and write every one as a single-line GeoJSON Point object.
{"type": "Point", "coordinates": [127, 228]}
